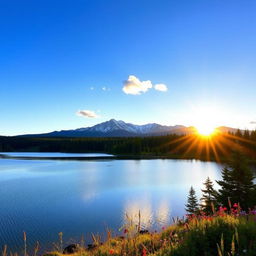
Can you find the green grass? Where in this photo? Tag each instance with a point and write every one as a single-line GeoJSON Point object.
{"type": "Point", "coordinates": [222, 234]}
{"type": "Point", "coordinates": [219, 235]}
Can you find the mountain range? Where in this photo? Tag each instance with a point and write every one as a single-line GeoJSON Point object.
{"type": "Point", "coordinates": [114, 128]}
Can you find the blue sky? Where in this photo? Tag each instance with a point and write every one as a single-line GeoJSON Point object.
{"type": "Point", "coordinates": [54, 52]}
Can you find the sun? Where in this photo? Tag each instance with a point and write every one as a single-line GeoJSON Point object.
{"type": "Point", "coordinates": [206, 130]}
{"type": "Point", "coordinates": [206, 120]}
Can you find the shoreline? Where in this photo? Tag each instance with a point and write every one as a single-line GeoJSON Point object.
{"type": "Point", "coordinates": [119, 157]}
{"type": "Point", "coordinates": [114, 157]}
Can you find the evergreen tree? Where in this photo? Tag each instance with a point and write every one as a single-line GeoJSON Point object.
{"type": "Point", "coordinates": [208, 197]}
{"type": "Point", "coordinates": [237, 184]}
{"type": "Point", "coordinates": [246, 134]}
{"type": "Point", "coordinates": [192, 205]}
{"type": "Point", "coordinates": [226, 187]}
{"type": "Point", "coordinates": [238, 133]}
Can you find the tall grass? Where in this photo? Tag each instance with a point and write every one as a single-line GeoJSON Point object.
{"type": "Point", "coordinates": [222, 234]}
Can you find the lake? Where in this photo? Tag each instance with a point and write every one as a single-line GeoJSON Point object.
{"type": "Point", "coordinates": [45, 197]}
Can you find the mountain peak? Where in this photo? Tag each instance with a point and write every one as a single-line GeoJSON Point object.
{"type": "Point", "coordinates": [112, 120]}
{"type": "Point", "coordinates": [119, 128]}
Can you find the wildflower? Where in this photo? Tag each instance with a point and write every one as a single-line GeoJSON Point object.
{"type": "Point", "coordinates": [253, 212]}
{"type": "Point", "coordinates": [235, 205]}
{"type": "Point", "coordinates": [144, 252]}
{"type": "Point", "coordinates": [125, 231]}
{"type": "Point", "coordinates": [111, 251]}
{"type": "Point", "coordinates": [222, 210]}
{"type": "Point", "coordinates": [163, 228]}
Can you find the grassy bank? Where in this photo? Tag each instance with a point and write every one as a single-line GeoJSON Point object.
{"type": "Point", "coordinates": [220, 234]}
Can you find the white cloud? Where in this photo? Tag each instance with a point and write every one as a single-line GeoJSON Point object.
{"type": "Point", "coordinates": [91, 88]}
{"type": "Point", "coordinates": [134, 86]}
{"type": "Point", "coordinates": [104, 88]}
{"type": "Point", "coordinates": [87, 113]}
{"type": "Point", "coordinates": [161, 87]}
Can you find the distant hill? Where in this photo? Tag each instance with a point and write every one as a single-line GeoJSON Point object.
{"type": "Point", "coordinates": [114, 128]}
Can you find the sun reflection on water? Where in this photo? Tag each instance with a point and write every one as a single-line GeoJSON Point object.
{"type": "Point", "coordinates": [150, 216]}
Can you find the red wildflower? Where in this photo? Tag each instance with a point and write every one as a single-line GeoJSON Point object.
{"type": "Point", "coordinates": [144, 252]}
{"type": "Point", "coordinates": [235, 205]}
{"type": "Point", "coordinates": [126, 231]}
{"type": "Point", "coordinates": [111, 251]}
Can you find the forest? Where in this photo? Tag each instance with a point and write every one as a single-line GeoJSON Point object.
{"type": "Point", "coordinates": [217, 147]}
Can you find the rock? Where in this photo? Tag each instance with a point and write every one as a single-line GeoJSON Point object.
{"type": "Point", "coordinates": [91, 246]}
{"type": "Point", "coordinates": [72, 248]}
{"type": "Point", "coordinates": [144, 231]}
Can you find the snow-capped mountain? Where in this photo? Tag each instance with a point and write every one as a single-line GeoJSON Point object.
{"type": "Point", "coordinates": [114, 128]}
{"type": "Point", "coordinates": [114, 125]}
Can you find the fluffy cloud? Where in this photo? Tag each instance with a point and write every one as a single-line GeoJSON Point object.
{"type": "Point", "coordinates": [104, 88]}
{"type": "Point", "coordinates": [161, 87]}
{"type": "Point", "coordinates": [134, 86]}
{"type": "Point", "coordinates": [87, 113]}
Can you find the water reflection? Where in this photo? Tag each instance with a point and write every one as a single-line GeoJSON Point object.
{"type": "Point", "coordinates": [89, 179]}
{"type": "Point", "coordinates": [81, 197]}
{"type": "Point", "coordinates": [142, 205]}
{"type": "Point", "coordinates": [163, 212]}
{"type": "Point", "coordinates": [150, 214]}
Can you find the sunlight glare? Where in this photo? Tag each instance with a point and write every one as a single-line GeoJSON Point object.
{"type": "Point", "coordinates": [206, 121]}
{"type": "Point", "coordinates": [206, 130]}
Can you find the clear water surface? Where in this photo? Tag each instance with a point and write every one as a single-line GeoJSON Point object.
{"type": "Point", "coordinates": [45, 197]}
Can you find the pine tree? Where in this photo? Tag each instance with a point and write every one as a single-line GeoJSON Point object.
{"type": "Point", "coordinates": [192, 205]}
{"type": "Point", "coordinates": [208, 197]}
{"type": "Point", "coordinates": [226, 187]}
{"type": "Point", "coordinates": [246, 134]}
{"type": "Point", "coordinates": [238, 133]}
{"type": "Point", "coordinates": [237, 184]}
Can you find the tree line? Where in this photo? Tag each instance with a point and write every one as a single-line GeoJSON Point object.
{"type": "Point", "coordinates": [184, 146]}
{"type": "Point", "coordinates": [236, 189]}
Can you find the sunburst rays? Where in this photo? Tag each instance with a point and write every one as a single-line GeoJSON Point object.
{"type": "Point", "coordinates": [214, 147]}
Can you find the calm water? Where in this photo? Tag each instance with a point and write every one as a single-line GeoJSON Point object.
{"type": "Point", "coordinates": [44, 197]}
{"type": "Point", "coordinates": [50, 154]}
